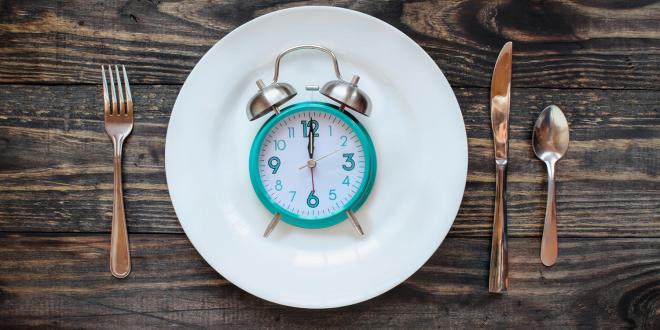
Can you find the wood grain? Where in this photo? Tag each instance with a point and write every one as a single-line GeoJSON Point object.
{"type": "Point", "coordinates": [598, 60]}
{"type": "Point", "coordinates": [558, 44]}
{"type": "Point", "coordinates": [56, 168]}
{"type": "Point", "coordinates": [61, 281]}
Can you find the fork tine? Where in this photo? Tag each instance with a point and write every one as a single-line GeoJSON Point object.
{"type": "Point", "coordinates": [112, 90]}
{"type": "Point", "coordinates": [129, 99]}
{"type": "Point", "coordinates": [120, 91]}
{"type": "Point", "coordinates": [106, 98]}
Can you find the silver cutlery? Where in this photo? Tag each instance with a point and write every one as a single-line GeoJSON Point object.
{"type": "Point", "coordinates": [550, 141]}
{"type": "Point", "coordinates": [500, 100]}
{"type": "Point", "coordinates": [118, 113]}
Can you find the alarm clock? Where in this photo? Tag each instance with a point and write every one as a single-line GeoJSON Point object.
{"type": "Point", "coordinates": [312, 164]}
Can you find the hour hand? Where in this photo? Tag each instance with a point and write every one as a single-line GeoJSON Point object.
{"type": "Point", "coordinates": [310, 140]}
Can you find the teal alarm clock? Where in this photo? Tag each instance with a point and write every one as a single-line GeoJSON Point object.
{"type": "Point", "coordinates": [312, 164]}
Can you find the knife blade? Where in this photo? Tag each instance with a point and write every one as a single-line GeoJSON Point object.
{"type": "Point", "coordinates": [500, 101]}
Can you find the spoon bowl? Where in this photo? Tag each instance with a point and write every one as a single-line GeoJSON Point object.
{"type": "Point", "coordinates": [550, 142]}
{"type": "Point", "coordinates": [550, 134]}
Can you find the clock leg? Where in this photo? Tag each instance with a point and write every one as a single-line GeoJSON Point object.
{"type": "Point", "coordinates": [355, 222]}
{"type": "Point", "coordinates": [272, 224]}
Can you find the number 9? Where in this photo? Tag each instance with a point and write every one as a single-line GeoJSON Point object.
{"type": "Point", "coordinates": [274, 163]}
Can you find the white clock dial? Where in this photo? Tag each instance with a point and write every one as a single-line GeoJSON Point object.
{"type": "Point", "coordinates": [338, 167]}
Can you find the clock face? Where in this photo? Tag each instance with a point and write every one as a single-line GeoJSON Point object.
{"type": "Point", "coordinates": [312, 191]}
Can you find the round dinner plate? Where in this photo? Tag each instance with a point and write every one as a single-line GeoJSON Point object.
{"type": "Point", "coordinates": [416, 126]}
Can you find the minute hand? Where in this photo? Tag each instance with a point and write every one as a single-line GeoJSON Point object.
{"type": "Point", "coordinates": [310, 141]}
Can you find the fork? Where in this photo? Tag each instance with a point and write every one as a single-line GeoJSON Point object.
{"type": "Point", "coordinates": [118, 125]}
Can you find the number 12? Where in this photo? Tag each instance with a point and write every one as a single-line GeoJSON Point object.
{"type": "Point", "coordinates": [305, 125]}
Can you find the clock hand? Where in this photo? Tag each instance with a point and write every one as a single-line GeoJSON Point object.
{"type": "Point", "coordinates": [310, 140]}
{"type": "Point", "coordinates": [316, 160]}
{"type": "Point", "coordinates": [311, 169]}
{"type": "Point", "coordinates": [310, 150]}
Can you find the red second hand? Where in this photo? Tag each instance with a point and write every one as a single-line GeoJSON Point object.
{"type": "Point", "coordinates": [312, 170]}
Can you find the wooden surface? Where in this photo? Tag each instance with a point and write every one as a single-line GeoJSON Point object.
{"type": "Point", "coordinates": [599, 61]}
{"type": "Point", "coordinates": [67, 285]}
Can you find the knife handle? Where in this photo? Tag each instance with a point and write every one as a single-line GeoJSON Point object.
{"type": "Point", "coordinates": [498, 279]}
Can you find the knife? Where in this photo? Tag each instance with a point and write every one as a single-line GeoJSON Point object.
{"type": "Point", "coordinates": [500, 100]}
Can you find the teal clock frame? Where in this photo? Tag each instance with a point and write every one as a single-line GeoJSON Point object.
{"type": "Point", "coordinates": [353, 204]}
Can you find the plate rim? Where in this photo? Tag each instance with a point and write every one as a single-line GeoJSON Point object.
{"type": "Point", "coordinates": [357, 298]}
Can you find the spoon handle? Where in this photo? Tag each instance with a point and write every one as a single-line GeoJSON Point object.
{"type": "Point", "coordinates": [549, 240]}
{"type": "Point", "coordinates": [498, 278]}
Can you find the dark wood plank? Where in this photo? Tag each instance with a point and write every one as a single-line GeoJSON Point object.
{"type": "Point", "coordinates": [57, 281]}
{"type": "Point", "coordinates": [56, 165]}
{"type": "Point", "coordinates": [560, 44]}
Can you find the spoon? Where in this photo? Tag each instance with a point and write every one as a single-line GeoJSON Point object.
{"type": "Point", "coordinates": [550, 140]}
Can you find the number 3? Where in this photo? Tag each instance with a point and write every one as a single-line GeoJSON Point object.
{"type": "Point", "coordinates": [350, 161]}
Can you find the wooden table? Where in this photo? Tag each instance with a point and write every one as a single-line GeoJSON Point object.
{"type": "Point", "coordinates": [598, 62]}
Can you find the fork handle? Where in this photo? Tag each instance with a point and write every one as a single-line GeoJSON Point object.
{"type": "Point", "coordinates": [120, 259]}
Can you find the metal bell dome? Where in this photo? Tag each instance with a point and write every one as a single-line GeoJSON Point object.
{"type": "Point", "coordinates": [269, 98]}
{"type": "Point", "coordinates": [348, 95]}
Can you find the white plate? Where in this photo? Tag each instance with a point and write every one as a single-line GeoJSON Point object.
{"type": "Point", "coordinates": [417, 192]}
